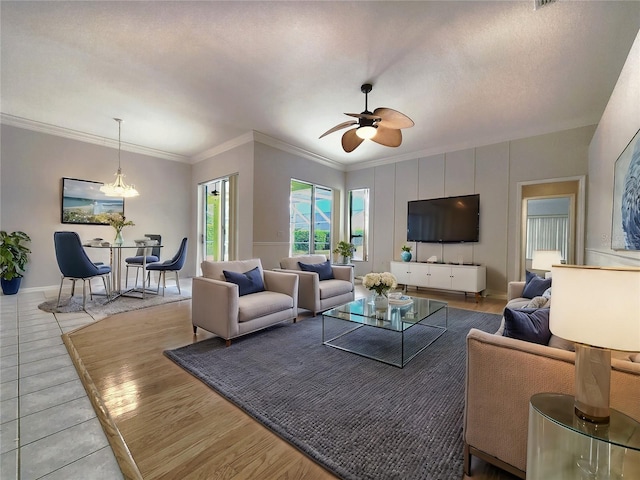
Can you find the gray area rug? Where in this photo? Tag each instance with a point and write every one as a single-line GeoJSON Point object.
{"type": "Point", "coordinates": [359, 418]}
{"type": "Point", "coordinates": [98, 308]}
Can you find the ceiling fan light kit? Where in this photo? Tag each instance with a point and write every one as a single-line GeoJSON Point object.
{"type": "Point", "coordinates": [381, 126]}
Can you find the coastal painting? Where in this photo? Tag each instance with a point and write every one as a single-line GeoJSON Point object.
{"type": "Point", "coordinates": [625, 231]}
{"type": "Point", "coordinates": [83, 202]}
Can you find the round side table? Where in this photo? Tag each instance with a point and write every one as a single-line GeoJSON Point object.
{"type": "Point", "coordinates": [561, 445]}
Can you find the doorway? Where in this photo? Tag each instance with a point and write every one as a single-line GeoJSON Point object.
{"type": "Point", "coordinates": [551, 218]}
{"type": "Point", "coordinates": [217, 220]}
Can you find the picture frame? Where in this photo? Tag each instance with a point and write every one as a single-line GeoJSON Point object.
{"type": "Point", "coordinates": [83, 203]}
{"type": "Point", "coordinates": [625, 225]}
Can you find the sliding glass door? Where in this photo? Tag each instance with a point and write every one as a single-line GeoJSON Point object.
{"type": "Point", "coordinates": [217, 220]}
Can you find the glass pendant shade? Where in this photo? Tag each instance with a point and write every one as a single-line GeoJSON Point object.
{"type": "Point", "coordinates": [366, 132]}
{"type": "Point", "coordinates": [119, 188]}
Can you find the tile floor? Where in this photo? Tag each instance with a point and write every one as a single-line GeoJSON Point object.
{"type": "Point", "coordinates": [48, 428]}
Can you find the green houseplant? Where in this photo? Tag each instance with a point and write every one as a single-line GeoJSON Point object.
{"type": "Point", "coordinates": [14, 255]}
{"type": "Point", "coordinates": [346, 250]}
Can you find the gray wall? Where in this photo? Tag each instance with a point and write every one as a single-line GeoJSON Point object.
{"type": "Point", "coordinates": [238, 160]}
{"type": "Point", "coordinates": [31, 168]}
{"type": "Point", "coordinates": [274, 170]}
{"type": "Point", "coordinates": [618, 125]}
{"type": "Point", "coordinates": [493, 171]}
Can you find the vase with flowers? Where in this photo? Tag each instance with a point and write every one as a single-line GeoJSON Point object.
{"type": "Point", "coordinates": [118, 222]}
{"type": "Point", "coordinates": [380, 283]}
{"type": "Point", "coordinates": [406, 253]}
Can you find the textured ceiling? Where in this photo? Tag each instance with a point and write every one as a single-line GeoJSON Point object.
{"type": "Point", "coordinates": [188, 76]}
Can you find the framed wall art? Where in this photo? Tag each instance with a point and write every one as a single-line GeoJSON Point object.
{"type": "Point", "coordinates": [625, 227]}
{"type": "Point", "coordinates": [84, 203]}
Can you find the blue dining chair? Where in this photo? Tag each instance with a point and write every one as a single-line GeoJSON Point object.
{"type": "Point", "coordinates": [75, 264]}
{"type": "Point", "coordinates": [173, 265]}
{"type": "Point", "coordinates": [137, 261]}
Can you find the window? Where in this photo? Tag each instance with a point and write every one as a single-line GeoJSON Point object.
{"type": "Point", "coordinates": [359, 222]}
{"type": "Point", "coordinates": [310, 218]}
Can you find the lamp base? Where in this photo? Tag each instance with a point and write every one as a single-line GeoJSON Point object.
{"type": "Point", "coordinates": [593, 383]}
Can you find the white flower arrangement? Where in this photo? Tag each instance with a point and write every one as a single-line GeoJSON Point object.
{"type": "Point", "coordinates": [380, 282]}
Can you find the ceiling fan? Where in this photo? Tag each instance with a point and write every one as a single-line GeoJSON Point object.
{"type": "Point", "coordinates": [382, 125]}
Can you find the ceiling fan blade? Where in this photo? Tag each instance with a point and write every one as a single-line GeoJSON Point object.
{"type": "Point", "coordinates": [368, 116]}
{"type": "Point", "coordinates": [389, 137]}
{"type": "Point", "coordinates": [392, 118]}
{"type": "Point", "coordinates": [350, 140]}
{"type": "Point", "coordinates": [339, 127]}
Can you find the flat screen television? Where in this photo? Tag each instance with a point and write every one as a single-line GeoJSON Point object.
{"type": "Point", "coordinates": [444, 220]}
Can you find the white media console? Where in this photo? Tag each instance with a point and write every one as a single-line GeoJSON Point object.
{"type": "Point", "coordinates": [442, 276]}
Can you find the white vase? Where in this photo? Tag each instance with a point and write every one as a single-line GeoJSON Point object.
{"type": "Point", "coordinates": [381, 301]}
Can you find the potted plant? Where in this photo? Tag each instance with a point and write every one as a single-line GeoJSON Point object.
{"type": "Point", "coordinates": [406, 253]}
{"type": "Point", "coordinates": [14, 256]}
{"type": "Point", "coordinates": [118, 222]}
{"type": "Point", "coordinates": [346, 250]}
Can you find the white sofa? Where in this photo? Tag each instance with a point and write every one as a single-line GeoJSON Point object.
{"type": "Point", "coordinates": [217, 306]}
{"type": "Point", "coordinates": [502, 375]}
{"type": "Point", "coordinates": [318, 295]}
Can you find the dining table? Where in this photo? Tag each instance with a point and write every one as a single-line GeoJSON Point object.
{"type": "Point", "coordinates": [116, 262]}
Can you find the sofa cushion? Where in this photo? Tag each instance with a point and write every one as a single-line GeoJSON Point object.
{"type": "Point", "coordinates": [535, 286]}
{"type": "Point", "coordinates": [530, 325]}
{"type": "Point", "coordinates": [323, 269]}
{"type": "Point", "coordinates": [333, 288]}
{"type": "Point", "coordinates": [537, 302]}
{"type": "Point", "coordinates": [248, 282]}
{"type": "Point", "coordinates": [561, 343]}
{"type": "Point", "coordinates": [261, 304]}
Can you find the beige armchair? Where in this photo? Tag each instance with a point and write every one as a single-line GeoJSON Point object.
{"type": "Point", "coordinates": [218, 307]}
{"type": "Point", "coordinates": [319, 295]}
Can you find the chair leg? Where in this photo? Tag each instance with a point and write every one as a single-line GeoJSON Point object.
{"type": "Point", "coordinates": [90, 292]}
{"type": "Point", "coordinates": [60, 291]}
{"type": "Point", "coordinates": [137, 272]}
{"type": "Point", "coordinates": [126, 278]}
{"type": "Point", "coordinates": [178, 283]}
{"type": "Point", "coordinates": [164, 281]}
{"type": "Point", "coordinates": [84, 294]}
{"type": "Point", "coordinates": [106, 289]}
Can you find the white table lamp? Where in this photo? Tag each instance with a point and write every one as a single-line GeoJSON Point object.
{"type": "Point", "coordinates": [545, 259]}
{"type": "Point", "coordinates": [599, 309]}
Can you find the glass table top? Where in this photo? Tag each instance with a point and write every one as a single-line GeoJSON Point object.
{"type": "Point", "coordinates": [621, 430]}
{"type": "Point", "coordinates": [397, 317]}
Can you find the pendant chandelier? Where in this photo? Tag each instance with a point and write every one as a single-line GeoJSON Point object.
{"type": "Point", "coordinates": [118, 188]}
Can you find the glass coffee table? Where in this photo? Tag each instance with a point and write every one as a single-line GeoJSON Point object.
{"type": "Point", "coordinates": [394, 336]}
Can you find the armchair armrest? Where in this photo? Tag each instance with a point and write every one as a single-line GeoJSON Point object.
{"type": "Point", "coordinates": [214, 306]}
{"type": "Point", "coordinates": [282, 282]}
{"type": "Point", "coordinates": [342, 272]}
{"type": "Point", "coordinates": [308, 288]}
{"type": "Point", "coordinates": [514, 290]}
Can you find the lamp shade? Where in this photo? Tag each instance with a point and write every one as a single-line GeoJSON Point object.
{"type": "Point", "coordinates": [544, 259]}
{"type": "Point", "coordinates": [596, 306]}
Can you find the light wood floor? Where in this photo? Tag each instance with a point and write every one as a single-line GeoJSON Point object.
{"type": "Point", "coordinates": [165, 424]}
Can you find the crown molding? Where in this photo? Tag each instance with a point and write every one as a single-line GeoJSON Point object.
{"type": "Point", "coordinates": [300, 152]}
{"type": "Point", "coordinates": [259, 137]}
{"type": "Point", "coordinates": [475, 143]}
{"type": "Point", "coordinates": [35, 126]}
{"type": "Point", "coordinates": [223, 147]}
